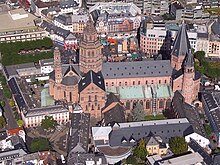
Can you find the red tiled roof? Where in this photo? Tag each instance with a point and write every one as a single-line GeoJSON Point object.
{"type": "Point", "coordinates": [14, 131]}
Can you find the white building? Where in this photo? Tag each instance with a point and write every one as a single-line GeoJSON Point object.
{"type": "Point", "coordinates": [202, 141]}
{"type": "Point", "coordinates": [46, 65]}
{"type": "Point", "coordinates": [69, 6]}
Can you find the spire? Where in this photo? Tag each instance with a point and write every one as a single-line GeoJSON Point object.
{"type": "Point", "coordinates": [181, 44]}
{"type": "Point", "coordinates": [90, 28]}
{"type": "Point", "coordinates": [189, 59]}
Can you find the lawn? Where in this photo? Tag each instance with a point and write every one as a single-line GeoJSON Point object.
{"type": "Point", "coordinates": [11, 56]}
{"type": "Point", "coordinates": [158, 117]}
{"type": "Point", "coordinates": [210, 69]}
{"type": "Point", "coordinates": [208, 129]}
{"type": "Point", "coordinates": [214, 10]}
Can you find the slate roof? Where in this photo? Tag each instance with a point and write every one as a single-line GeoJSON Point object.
{"type": "Point", "coordinates": [78, 136]}
{"type": "Point", "coordinates": [21, 103]}
{"type": "Point", "coordinates": [216, 27]}
{"type": "Point", "coordinates": [111, 98]}
{"type": "Point", "coordinates": [189, 61]}
{"type": "Point", "coordinates": [151, 140]}
{"type": "Point", "coordinates": [70, 80]}
{"type": "Point", "coordinates": [137, 69]}
{"type": "Point", "coordinates": [181, 44]}
{"type": "Point", "coordinates": [46, 62]}
{"type": "Point", "coordinates": [68, 3]}
{"type": "Point", "coordinates": [197, 148]}
{"type": "Point", "coordinates": [65, 20]}
{"type": "Point", "coordinates": [216, 159]}
{"type": "Point", "coordinates": [9, 155]}
{"type": "Point", "coordinates": [54, 29]}
{"type": "Point", "coordinates": [46, 110]}
{"type": "Point", "coordinates": [91, 77]}
{"type": "Point", "coordinates": [115, 114]}
{"type": "Point", "coordinates": [177, 74]}
{"type": "Point", "coordinates": [211, 103]}
{"type": "Point", "coordinates": [138, 130]}
{"type": "Point", "coordinates": [185, 110]}
{"type": "Point", "coordinates": [65, 69]}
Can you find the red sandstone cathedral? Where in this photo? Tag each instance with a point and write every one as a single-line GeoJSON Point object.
{"type": "Point", "coordinates": [150, 83]}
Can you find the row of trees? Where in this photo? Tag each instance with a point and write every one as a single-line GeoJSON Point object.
{"type": "Point", "coordinates": [210, 69]}
{"type": "Point", "coordinates": [45, 43]}
{"type": "Point", "coordinates": [10, 51]}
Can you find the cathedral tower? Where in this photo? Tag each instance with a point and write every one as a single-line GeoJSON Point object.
{"type": "Point", "coordinates": [180, 48]}
{"type": "Point", "coordinates": [188, 78]}
{"type": "Point", "coordinates": [90, 50]}
{"type": "Point", "coordinates": [57, 65]}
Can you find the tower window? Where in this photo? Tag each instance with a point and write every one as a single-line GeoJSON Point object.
{"type": "Point", "coordinates": [70, 96]}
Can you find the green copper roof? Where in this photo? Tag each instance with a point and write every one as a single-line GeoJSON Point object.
{"type": "Point", "coordinates": [46, 99]}
{"type": "Point", "coordinates": [141, 92]}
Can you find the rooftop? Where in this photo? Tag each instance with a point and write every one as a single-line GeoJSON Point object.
{"type": "Point", "coordinates": [141, 92]}
{"type": "Point", "coordinates": [212, 102]}
{"type": "Point", "coordinates": [192, 158]}
{"type": "Point", "coordinates": [137, 130]}
{"type": "Point", "coordinates": [10, 24]}
{"type": "Point", "coordinates": [136, 69]}
{"type": "Point", "coordinates": [78, 137]}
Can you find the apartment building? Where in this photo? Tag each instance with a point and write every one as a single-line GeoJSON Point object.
{"type": "Point", "coordinates": [116, 19]}
{"type": "Point", "coordinates": [188, 12]}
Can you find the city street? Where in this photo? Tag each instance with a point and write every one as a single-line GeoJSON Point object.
{"type": "Point", "coordinates": [8, 114]}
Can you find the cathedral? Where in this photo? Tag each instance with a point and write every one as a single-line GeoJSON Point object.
{"type": "Point", "coordinates": [150, 83]}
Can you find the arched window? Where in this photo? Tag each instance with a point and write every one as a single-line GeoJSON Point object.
{"type": "Point", "coordinates": [128, 104]}
{"type": "Point", "coordinates": [134, 104]}
{"type": "Point", "coordinates": [168, 103]}
{"type": "Point", "coordinates": [98, 107]}
{"type": "Point", "coordinates": [92, 107]}
{"type": "Point", "coordinates": [141, 102]}
{"type": "Point", "coordinates": [89, 98]}
{"type": "Point", "coordinates": [147, 104]}
{"type": "Point", "coordinates": [88, 53]}
{"type": "Point", "coordinates": [161, 104]}
{"type": "Point", "coordinates": [95, 97]}
{"type": "Point", "coordinates": [70, 96]}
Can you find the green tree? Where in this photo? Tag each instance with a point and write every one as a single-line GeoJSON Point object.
{"type": "Point", "coordinates": [2, 122]}
{"type": "Point", "coordinates": [178, 145]}
{"type": "Point", "coordinates": [20, 123]}
{"type": "Point", "coordinates": [48, 123]}
{"type": "Point", "coordinates": [2, 103]}
{"type": "Point", "coordinates": [138, 113]}
{"type": "Point", "coordinates": [131, 160]}
{"type": "Point", "coordinates": [12, 103]}
{"type": "Point", "coordinates": [39, 144]}
{"type": "Point", "coordinates": [200, 55]}
{"type": "Point", "coordinates": [140, 150]}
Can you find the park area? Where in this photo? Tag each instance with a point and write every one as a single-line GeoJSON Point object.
{"type": "Point", "coordinates": [210, 69]}
{"type": "Point", "coordinates": [38, 49]}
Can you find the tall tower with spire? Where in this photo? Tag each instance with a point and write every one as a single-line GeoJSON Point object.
{"type": "Point", "coordinates": [188, 78]}
{"type": "Point", "coordinates": [90, 50]}
{"type": "Point", "coordinates": [57, 66]}
{"type": "Point", "coordinates": [180, 48]}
